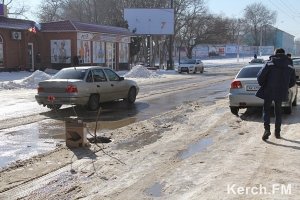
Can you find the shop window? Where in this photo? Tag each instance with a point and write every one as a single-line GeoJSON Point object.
{"type": "Point", "coordinates": [99, 52]}
{"type": "Point", "coordinates": [123, 52]}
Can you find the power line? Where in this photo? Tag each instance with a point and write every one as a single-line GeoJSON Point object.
{"type": "Point", "coordinates": [279, 8]}
{"type": "Point", "coordinates": [292, 12]}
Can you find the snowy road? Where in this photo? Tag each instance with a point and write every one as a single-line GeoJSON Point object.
{"type": "Point", "coordinates": [29, 129]}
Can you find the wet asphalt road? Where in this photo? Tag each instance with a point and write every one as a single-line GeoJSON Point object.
{"type": "Point", "coordinates": [46, 134]}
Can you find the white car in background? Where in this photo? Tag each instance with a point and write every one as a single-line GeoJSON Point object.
{"type": "Point", "coordinates": [190, 66]}
{"type": "Point", "coordinates": [296, 63]}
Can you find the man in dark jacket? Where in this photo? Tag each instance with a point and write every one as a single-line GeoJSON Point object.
{"type": "Point", "coordinates": [275, 79]}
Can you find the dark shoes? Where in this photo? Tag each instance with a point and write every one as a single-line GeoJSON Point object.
{"type": "Point", "coordinates": [277, 134]}
{"type": "Point", "coordinates": [266, 135]}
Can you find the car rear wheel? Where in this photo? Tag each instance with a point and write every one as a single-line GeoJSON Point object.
{"type": "Point", "coordinates": [54, 106]}
{"type": "Point", "coordinates": [295, 101]}
{"type": "Point", "coordinates": [131, 95]}
{"type": "Point", "coordinates": [93, 103]}
{"type": "Point", "coordinates": [234, 110]}
{"type": "Point", "coordinates": [288, 110]}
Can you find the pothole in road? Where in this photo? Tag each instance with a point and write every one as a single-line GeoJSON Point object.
{"type": "Point", "coordinates": [195, 148]}
{"type": "Point", "coordinates": [99, 139]}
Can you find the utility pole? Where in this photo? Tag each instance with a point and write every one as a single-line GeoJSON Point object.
{"type": "Point", "coordinates": [170, 64]}
{"type": "Point", "coordinates": [260, 41]}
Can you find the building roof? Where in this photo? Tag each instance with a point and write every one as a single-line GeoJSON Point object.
{"type": "Point", "coordinates": [70, 26]}
{"type": "Point", "coordinates": [17, 24]}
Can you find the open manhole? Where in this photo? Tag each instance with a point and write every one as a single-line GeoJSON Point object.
{"type": "Point", "coordinates": [99, 139]}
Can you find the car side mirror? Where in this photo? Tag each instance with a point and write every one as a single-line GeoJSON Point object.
{"type": "Point", "coordinates": [121, 79]}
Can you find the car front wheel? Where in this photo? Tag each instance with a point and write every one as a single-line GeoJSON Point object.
{"type": "Point", "coordinates": [131, 95]}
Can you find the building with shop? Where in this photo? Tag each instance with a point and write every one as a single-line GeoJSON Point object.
{"type": "Point", "coordinates": [27, 45]}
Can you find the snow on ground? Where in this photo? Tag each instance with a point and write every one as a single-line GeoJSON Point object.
{"type": "Point", "coordinates": [140, 71]}
{"type": "Point", "coordinates": [29, 80]}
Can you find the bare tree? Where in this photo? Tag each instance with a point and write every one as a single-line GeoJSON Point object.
{"type": "Point", "coordinates": [51, 10]}
{"type": "Point", "coordinates": [257, 16]}
{"type": "Point", "coordinates": [15, 8]}
{"type": "Point", "coordinates": [189, 15]}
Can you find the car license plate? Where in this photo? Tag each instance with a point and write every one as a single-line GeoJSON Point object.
{"type": "Point", "coordinates": [252, 87]}
{"type": "Point", "coordinates": [51, 98]}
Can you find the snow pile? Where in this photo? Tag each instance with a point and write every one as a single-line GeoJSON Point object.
{"type": "Point", "coordinates": [140, 71]}
{"type": "Point", "coordinates": [29, 82]}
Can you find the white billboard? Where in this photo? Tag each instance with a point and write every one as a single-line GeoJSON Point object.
{"type": "Point", "coordinates": [150, 21]}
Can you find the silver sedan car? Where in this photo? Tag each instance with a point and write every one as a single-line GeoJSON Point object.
{"type": "Point", "coordinates": [245, 85]}
{"type": "Point", "coordinates": [297, 68]}
{"type": "Point", "coordinates": [86, 86]}
{"type": "Point", "coordinates": [190, 66]}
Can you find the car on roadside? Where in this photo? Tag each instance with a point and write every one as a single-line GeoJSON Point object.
{"type": "Point", "coordinates": [296, 63]}
{"type": "Point", "coordinates": [190, 66]}
{"type": "Point", "coordinates": [85, 86]}
{"type": "Point", "coordinates": [257, 61]}
{"type": "Point", "coordinates": [245, 85]}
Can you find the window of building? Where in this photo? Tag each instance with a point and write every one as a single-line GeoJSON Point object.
{"type": "Point", "coordinates": [98, 52]}
{"type": "Point", "coordinates": [123, 52]}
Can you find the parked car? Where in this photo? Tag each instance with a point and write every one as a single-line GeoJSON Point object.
{"type": "Point", "coordinates": [243, 89]}
{"type": "Point", "coordinates": [296, 63]}
{"type": "Point", "coordinates": [257, 61]}
{"type": "Point", "coordinates": [190, 66]}
{"type": "Point", "coordinates": [86, 86]}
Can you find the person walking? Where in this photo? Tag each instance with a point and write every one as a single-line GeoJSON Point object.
{"type": "Point", "coordinates": [289, 55]}
{"type": "Point", "coordinates": [275, 79]}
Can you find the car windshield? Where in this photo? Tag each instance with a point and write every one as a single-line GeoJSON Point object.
{"type": "Point", "coordinates": [249, 72]}
{"type": "Point", "coordinates": [71, 73]}
{"type": "Point", "coordinates": [296, 62]}
{"type": "Point", "coordinates": [188, 61]}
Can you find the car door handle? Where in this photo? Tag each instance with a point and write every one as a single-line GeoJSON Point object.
{"type": "Point", "coordinates": [98, 85]}
{"type": "Point", "coordinates": [112, 84]}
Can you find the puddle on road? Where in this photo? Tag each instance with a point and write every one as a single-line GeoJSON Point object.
{"type": "Point", "coordinates": [195, 148]}
{"type": "Point", "coordinates": [155, 190]}
{"type": "Point", "coordinates": [23, 142]}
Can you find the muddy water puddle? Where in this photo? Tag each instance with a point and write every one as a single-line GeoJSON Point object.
{"type": "Point", "coordinates": [155, 190]}
{"type": "Point", "coordinates": [196, 148]}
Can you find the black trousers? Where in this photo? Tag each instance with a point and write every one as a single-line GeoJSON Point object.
{"type": "Point", "coordinates": [267, 112]}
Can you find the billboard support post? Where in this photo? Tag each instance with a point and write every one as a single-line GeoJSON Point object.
{"type": "Point", "coordinates": [170, 63]}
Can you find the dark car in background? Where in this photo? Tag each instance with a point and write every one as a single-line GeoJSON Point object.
{"type": "Point", "coordinates": [257, 61]}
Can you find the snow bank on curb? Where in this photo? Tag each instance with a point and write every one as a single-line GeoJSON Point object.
{"type": "Point", "coordinates": [29, 82]}
{"type": "Point", "coordinates": [140, 71]}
